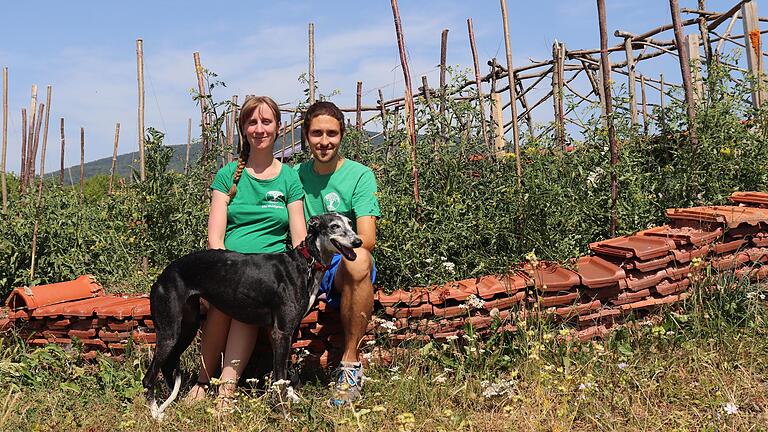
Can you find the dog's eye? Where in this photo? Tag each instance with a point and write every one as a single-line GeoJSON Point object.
{"type": "Point", "coordinates": [335, 226]}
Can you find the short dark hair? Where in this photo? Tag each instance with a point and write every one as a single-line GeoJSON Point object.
{"type": "Point", "coordinates": [318, 109]}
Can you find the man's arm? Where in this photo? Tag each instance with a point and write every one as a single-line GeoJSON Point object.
{"type": "Point", "coordinates": [366, 230]}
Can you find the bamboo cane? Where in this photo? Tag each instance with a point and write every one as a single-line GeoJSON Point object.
{"type": "Point", "coordinates": [645, 105]}
{"type": "Point", "coordinates": [48, 92]}
{"type": "Point", "coordinates": [512, 92]}
{"type": "Point", "coordinates": [82, 164]}
{"type": "Point", "coordinates": [189, 144]}
{"type": "Point", "coordinates": [32, 147]}
{"type": "Point", "coordinates": [23, 166]}
{"type": "Point", "coordinates": [685, 69]}
{"type": "Point", "coordinates": [40, 186]}
{"type": "Point", "coordinates": [478, 83]}
{"type": "Point", "coordinates": [608, 113]}
{"type": "Point", "coordinates": [5, 140]}
{"type": "Point", "coordinates": [311, 64]}
{"type": "Point", "coordinates": [114, 157]}
{"type": "Point", "coordinates": [359, 114]}
{"type": "Point", "coordinates": [411, 123]}
{"type": "Point", "coordinates": [140, 75]}
{"type": "Point", "coordinates": [61, 159]}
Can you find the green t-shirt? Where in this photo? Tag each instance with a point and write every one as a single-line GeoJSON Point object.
{"type": "Point", "coordinates": [350, 190]}
{"type": "Point", "coordinates": [257, 216]}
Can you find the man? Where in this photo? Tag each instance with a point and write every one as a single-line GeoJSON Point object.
{"type": "Point", "coordinates": [333, 183]}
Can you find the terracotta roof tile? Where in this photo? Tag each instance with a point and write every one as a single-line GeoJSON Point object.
{"type": "Point", "coordinates": [686, 255]}
{"type": "Point", "coordinates": [729, 216]}
{"type": "Point", "coordinates": [554, 300]}
{"type": "Point", "coordinates": [637, 281]}
{"type": "Point", "coordinates": [43, 295]}
{"type": "Point", "coordinates": [724, 248]}
{"type": "Point", "coordinates": [120, 308]}
{"type": "Point", "coordinates": [666, 288]}
{"type": "Point", "coordinates": [550, 277]}
{"type": "Point", "coordinates": [684, 235]}
{"type": "Point", "coordinates": [82, 308]}
{"type": "Point", "coordinates": [599, 316]}
{"type": "Point", "coordinates": [597, 273]}
{"type": "Point", "coordinates": [569, 312]}
{"type": "Point", "coordinates": [629, 297]}
{"type": "Point", "coordinates": [638, 247]}
{"type": "Point", "coordinates": [751, 198]}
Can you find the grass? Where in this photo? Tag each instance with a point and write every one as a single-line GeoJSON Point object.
{"type": "Point", "coordinates": [700, 366]}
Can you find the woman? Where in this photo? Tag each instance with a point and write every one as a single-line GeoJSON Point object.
{"type": "Point", "coordinates": [255, 202]}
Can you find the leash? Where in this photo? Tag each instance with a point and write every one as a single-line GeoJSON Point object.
{"type": "Point", "coordinates": [314, 264]}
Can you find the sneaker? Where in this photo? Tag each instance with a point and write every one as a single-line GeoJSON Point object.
{"type": "Point", "coordinates": [349, 385]}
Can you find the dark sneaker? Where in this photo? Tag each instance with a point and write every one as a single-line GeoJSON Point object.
{"type": "Point", "coordinates": [349, 385]}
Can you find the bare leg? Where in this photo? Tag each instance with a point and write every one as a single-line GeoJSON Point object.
{"type": "Point", "coordinates": [213, 340]}
{"type": "Point", "coordinates": [353, 280]}
{"type": "Point", "coordinates": [240, 343]}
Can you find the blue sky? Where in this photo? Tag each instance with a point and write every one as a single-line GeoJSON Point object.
{"type": "Point", "coordinates": [86, 51]}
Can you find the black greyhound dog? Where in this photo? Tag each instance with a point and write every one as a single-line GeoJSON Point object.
{"type": "Point", "coordinates": [272, 290]}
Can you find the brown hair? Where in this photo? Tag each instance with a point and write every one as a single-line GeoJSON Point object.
{"type": "Point", "coordinates": [249, 106]}
{"type": "Point", "coordinates": [318, 109]}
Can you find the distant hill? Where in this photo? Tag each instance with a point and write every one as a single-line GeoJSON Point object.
{"type": "Point", "coordinates": [126, 161]}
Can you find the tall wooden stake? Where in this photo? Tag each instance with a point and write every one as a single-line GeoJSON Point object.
{"type": "Point", "coordinates": [31, 133]}
{"type": "Point", "coordinates": [189, 144]}
{"type": "Point", "coordinates": [33, 147]}
{"type": "Point", "coordinates": [606, 70]}
{"type": "Point", "coordinates": [140, 70]}
{"type": "Point", "coordinates": [359, 106]}
{"type": "Point", "coordinates": [114, 157]}
{"type": "Point", "coordinates": [645, 105]}
{"type": "Point", "coordinates": [631, 85]}
{"type": "Point", "coordinates": [23, 167]}
{"type": "Point", "coordinates": [754, 52]}
{"type": "Point", "coordinates": [383, 113]}
{"type": "Point", "coordinates": [685, 70]}
{"type": "Point", "coordinates": [662, 119]}
{"type": "Point", "coordinates": [704, 32]}
{"type": "Point", "coordinates": [443, 124]}
{"type": "Point", "coordinates": [82, 164]}
{"type": "Point", "coordinates": [411, 123]}
{"type": "Point", "coordinates": [203, 98]}
{"type": "Point", "coordinates": [692, 40]}
{"type": "Point", "coordinates": [61, 170]}
{"type": "Point", "coordinates": [311, 64]}
{"type": "Point", "coordinates": [512, 92]}
{"type": "Point", "coordinates": [558, 72]}
{"type": "Point", "coordinates": [5, 139]}
{"type": "Point", "coordinates": [478, 83]}
{"type": "Point", "coordinates": [48, 91]}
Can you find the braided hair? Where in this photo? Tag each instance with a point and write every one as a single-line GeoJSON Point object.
{"type": "Point", "coordinates": [249, 106]}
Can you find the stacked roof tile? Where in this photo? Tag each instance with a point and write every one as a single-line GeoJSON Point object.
{"type": "Point", "coordinates": [629, 274]}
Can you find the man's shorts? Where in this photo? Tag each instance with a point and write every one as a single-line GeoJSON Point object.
{"type": "Point", "coordinates": [332, 296]}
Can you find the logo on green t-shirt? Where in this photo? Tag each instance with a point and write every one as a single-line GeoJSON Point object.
{"type": "Point", "coordinates": [332, 201]}
{"type": "Point", "coordinates": [274, 199]}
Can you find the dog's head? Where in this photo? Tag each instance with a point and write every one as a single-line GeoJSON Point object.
{"type": "Point", "coordinates": [333, 233]}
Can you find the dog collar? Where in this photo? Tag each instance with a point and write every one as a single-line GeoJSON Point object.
{"type": "Point", "coordinates": [304, 251]}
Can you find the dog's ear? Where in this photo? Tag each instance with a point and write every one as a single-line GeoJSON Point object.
{"type": "Point", "coordinates": [314, 222]}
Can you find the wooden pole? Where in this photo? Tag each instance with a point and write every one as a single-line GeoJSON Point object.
{"type": "Point", "coordinates": [631, 81]}
{"type": "Point", "coordinates": [685, 70]}
{"type": "Point", "coordinates": [498, 123]}
{"type": "Point", "coordinates": [140, 70]}
{"type": "Point", "coordinates": [704, 32]}
{"type": "Point", "coordinates": [512, 92]}
{"type": "Point", "coordinates": [443, 95]}
{"type": "Point", "coordinates": [726, 34]}
{"type": "Point", "coordinates": [384, 121]}
{"type": "Point", "coordinates": [82, 164]}
{"type": "Point", "coordinates": [692, 40]}
{"type": "Point", "coordinates": [203, 102]}
{"type": "Point", "coordinates": [33, 146]}
{"type": "Point", "coordinates": [645, 105]}
{"type": "Point", "coordinates": [48, 91]}
{"type": "Point", "coordinates": [311, 64]}
{"type": "Point", "coordinates": [232, 130]}
{"type": "Point", "coordinates": [604, 62]}
{"type": "Point", "coordinates": [31, 133]}
{"type": "Point", "coordinates": [61, 159]}
{"type": "Point", "coordinates": [661, 100]}
{"type": "Point", "coordinates": [478, 82]}
{"type": "Point", "coordinates": [358, 113]}
{"type": "Point", "coordinates": [189, 144]}
{"type": "Point", "coordinates": [5, 140]}
{"type": "Point", "coordinates": [754, 49]}
{"type": "Point", "coordinates": [411, 122]}
{"type": "Point", "coordinates": [23, 167]}
{"type": "Point", "coordinates": [527, 111]}
{"type": "Point", "coordinates": [114, 157]}
{"type": "Point", "coordinates": [557, 93]}
{"type": "Point", "coordinates": [293, 132]}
